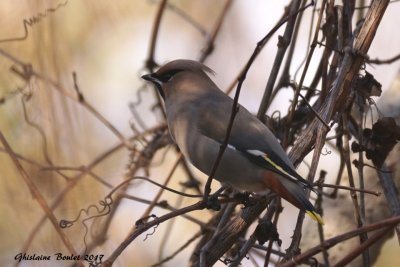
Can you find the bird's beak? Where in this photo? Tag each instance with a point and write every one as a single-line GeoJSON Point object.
{"type": "Point", "coordinates": [153, 79]}
{"type": "Point", "coordinates": [150, 77]}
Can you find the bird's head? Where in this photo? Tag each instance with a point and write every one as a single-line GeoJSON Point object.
{"type": "Point", "coordinates": [181, 74]}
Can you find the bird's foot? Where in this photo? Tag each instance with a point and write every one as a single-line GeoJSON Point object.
{"type": "Point", "coordinates": [212, 202]}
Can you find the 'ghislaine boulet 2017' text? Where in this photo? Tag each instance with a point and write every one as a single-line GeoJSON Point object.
{"type": "Point", "coordinates": [56, 256]}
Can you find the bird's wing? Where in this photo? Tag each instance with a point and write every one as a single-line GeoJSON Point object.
{"type": "Point", "coordinates": [248, 136]}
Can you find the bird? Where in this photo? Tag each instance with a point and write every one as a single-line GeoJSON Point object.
{"type": "Point", "coordinates": [198, 113]}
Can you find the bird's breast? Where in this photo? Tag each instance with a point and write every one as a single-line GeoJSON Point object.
{"type": "Point", "coordinates": [179, 131]}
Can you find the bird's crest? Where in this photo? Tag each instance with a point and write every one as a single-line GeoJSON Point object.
{"type": "Point", "coordinates": [182, 65]}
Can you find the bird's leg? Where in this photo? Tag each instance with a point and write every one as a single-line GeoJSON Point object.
{"type": "Point", "coordinates": [212, 202]}
{"type": "Point", "coordinates": [244, 198]}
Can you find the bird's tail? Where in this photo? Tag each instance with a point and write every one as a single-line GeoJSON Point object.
{"type": "Point", "coordinates": [291, 192]}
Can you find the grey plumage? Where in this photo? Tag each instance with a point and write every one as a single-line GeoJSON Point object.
{"type": "Point", "coordinates": [198, 114]}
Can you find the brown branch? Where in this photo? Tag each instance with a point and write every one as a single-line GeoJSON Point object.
{"type": "Point", "coordinates": [363, 247]}
{"type": "Point", "coordinates": [315, 134]}
{"type": "Point", "coordinates": [383, 61]}
{"type": "Point", "coordinates": [235, 109]}
{"type": "Point", "coordinates": [209, 48]}
{"type": "Point", "coordinates": [285, 76]}
{"type": "Point", "coordinates": [144, 227]}
{"type": "Point", "coordinates": [32, 21]}
{"type": "Point", "coordinates": [294, 245]}
{"type": "Point", "coordinates": [70, 185]}
{"type": "Point", "coordinates": [354, 198]}
{"type": "Point", "coordinates": [340, 90]}
{"type": "Point", "coordinates": [390, 222]}
{"type": "Point", "coordinates": [226, 213]}
{"type": "Point", "coordinates": [180, 249]}
{"type": "Point", "coordinates": [38, 196]}
{"type": "Point", "coordinates": [74, 181]}
{"type": "Point", "coordinates": [390, 192]}
{"type": "Point", "coordinates": [29, 71]}
{"type": "Point", "coordinates": [337, 186]}
{"type": "Point", "coordinates": [231, 232]}
{"type": "Point", "coordinates": [185, 16]}
{"type": "Point", "coordinates": [283, 44]}
{"type": "Point", "coordinates": [260, 45]}
{"type": "Point", "coordinates": [159, 193]}
{"type": "Point", "coordinates": [150, 62]}
{"type": "Point", "coordinates": [275, 208]}
{"type": "Point", "coordinates": [303, 75]}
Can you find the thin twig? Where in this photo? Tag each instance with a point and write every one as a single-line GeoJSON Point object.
{"type": "Point", "coordinates": [390, 222]}
{"type": "Point", "coordinates": [346, 156]}
{"type": "Point", "coordinates": [303, 75]}
{"type": "Point", "coordinates": [209, 47]}
{"type": "Point", "coordinates": [178, 250]}
{"type": "Point", "coordinates": [283, 44]}
{"type": "Point", "coordinates": [29, 71]}
{"type": "Point", "coordinates": [383, 61]}
{"type": "Point", "coordinates": [159, 193]}
{"type": "Point", "coordinates": [34, 20]}
{"type": "Point", "coordinates": [74, 181]}
{"type": "Point", "coordinates": [337, 186]}
{"type": "Point", "coordinates": [144, 227]}
{"type": "Point", "coordinates": [363, 247]}
{"type": "Point", "coordinates": [39, 197]}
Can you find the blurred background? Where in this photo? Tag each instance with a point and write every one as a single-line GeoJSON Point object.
{"type": "Point", "coordinates": [106, 43]}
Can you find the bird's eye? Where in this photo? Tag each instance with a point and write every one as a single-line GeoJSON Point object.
{"type": "Point", "coordinates": [165, 77]}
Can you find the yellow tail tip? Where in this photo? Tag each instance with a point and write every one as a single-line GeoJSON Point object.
{"type": "Point", "coordinates": [315, 216]}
